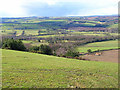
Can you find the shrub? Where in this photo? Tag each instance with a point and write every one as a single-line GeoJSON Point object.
{"type": "Point", "coordinates": [34, 49]}
{"type": "Point", "coordinates": [45, 49]}
{"type": "Point", "coordinates": [89, 51]}
{"type": "Point", "coordinates": [98, 50]}
{"type": "Point", "coordinates": [13, 44]}
{"type": "Point", "coordinates": [71, 53]}
{"type": "Point", "coordinates": [61, 51]}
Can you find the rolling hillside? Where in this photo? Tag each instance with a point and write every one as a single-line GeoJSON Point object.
{"type": "Point", "coordinates": [105, 45]}
{"type": "Point", "coordinates": [31, 70]}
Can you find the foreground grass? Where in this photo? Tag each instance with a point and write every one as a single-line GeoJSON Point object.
{"type": "Point", "coordinates": [30, 70]}
{"type": "Point", "coordinates": [105, 45]}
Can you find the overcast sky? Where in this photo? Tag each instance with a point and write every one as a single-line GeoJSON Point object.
{"type": "Point", "coordinates": [23, 8]}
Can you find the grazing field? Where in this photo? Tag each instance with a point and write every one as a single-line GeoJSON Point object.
{"type": "Point", "coordinates": [91, 33]}
{"type": "Point", "coordinates": [89, 24]}
{"type": "Point", "coordinates": [28, 41]}
{"type": "Point", "coordinates": [114, 26]}
{"type": "Point", "coordinates": [30, 70]}
{"type": "Point", "coordinates": [34, 43]}
{"type": "Point", "coordinates": [43, 32]}
{"type": "Point", "coordinates": [106, 45]}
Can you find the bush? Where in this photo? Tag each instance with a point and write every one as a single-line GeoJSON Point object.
{"type": "Point", "coordinates": [45, 49]}
{"type": "Point", "coordinates": [89, 51]}
{"type": "Point", "coordinates": [13, 44]}
{"type": "Point", "coordinates": [71, 53]}
{"type": "Point", "coordinates": [34, 49]}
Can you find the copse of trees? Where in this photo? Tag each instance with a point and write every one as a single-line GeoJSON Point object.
{"type": "Point", "coordinates": [18, 45]}
{"type": "Point", "coordinates": [46, 49]}
{"type": "Point", "coordinates": [43, 49]}
{"type": "Point", "coordinates": [13, 44]}
{"type": "Point", "coordinates": [71, 53]}
{"type": "Point", "coordinates": [34, 49]}
{"type": "Point", "coordinates": [80, 38]}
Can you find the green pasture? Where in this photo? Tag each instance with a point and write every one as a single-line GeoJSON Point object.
{"type": "Point", "coordinates": [34, 43]}
{"type": "Point", "coordinates": [90, 33]}
{"type": "Point", "coordinates": [52, 20]}
{"type": "Point", "coordinates": [113, 26]}
{"type": "Point", "coordinates": [19, 32]}
{"type": "Point", "coordinates": [31, 32]}
{"type": "Point", "coordinates": [28, 41]}
{"type": "Point", "coordinates": [8, 32]}
{"type": "Point", "coordinates": [32, 70]}
{"type": "Point", "coordinates": [38, 21]}
{"type": "Point", "coordinates": [105, 45]}
{"type": "Point", "coordinates": [95, 33]}
{"type": "Point", "coordinates": [46, 36]}
{"type": "Point", "coordinates": [94, 22]}
{"type": "Point", "coordinates": [88, 24]}
{"type": "Point", "coordinates": [38, 44]}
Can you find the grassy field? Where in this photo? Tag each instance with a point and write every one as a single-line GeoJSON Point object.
{"type": "Point", "coordinates": [30, 70]}
{"type": "Point", "coordinates": [89, 33]}
{"type": "Point", "coordinates": [106, 45]}
{"type": "Point", "coordinates": [28, 41]}
{"type": "Point", "coordinates": [38, 44]}
{"type": "Point", "coordinates": [44, 31]}
{"type": "Point", "coordinates": [89, 24]}
{"type": "Point", "coordinates": [19, 32]}
{"type": "Point", "coordinates": [94, 33]}
{"type": "Point", "coordinates": [113, 26]}
{"type": "Point", "coordinates": [34, 43]}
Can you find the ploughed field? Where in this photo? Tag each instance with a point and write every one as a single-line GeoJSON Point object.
{"type": "Point", "coordinates": [32, 70]}
{"type": "Point", "coordinates": [106, 56]}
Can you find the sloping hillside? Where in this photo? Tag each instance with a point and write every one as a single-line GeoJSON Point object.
{"type": "Point", "coordinates": [105, 45]}
{"type": "Point", "coordinates": [30, 70]}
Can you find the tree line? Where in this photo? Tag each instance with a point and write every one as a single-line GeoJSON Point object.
{"type": "Point", "coordinates": [42, 49]}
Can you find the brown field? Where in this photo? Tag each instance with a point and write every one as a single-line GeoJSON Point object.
{"type": "Point", "coordinates": [106, 56]}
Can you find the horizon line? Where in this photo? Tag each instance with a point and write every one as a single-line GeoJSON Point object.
{"type": "Point", "coordinates": [56, 16]}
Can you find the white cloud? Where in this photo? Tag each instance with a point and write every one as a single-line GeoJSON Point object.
{"type": "Point", "coordinates": [99, 7]}
{"type": "Point", "coordinates": [17, 8]}
{"type": "Point", "coordinates": [106, 11]}
{"type": "Point", "coordinates": [51, 2]}
{"type": "Point", "coordinates": [99, 11]}
{"type": "Point", "coordinates": [12, 8]}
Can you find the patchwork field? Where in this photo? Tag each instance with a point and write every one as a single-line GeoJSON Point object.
{"type": "Point", "coordinates": [114, 26]}
{"type": "Point", "coordinates": [106, 45]}
{"type": "Point", "coordinates": [30, 70]}
{"type": "Point", "coordinates": [71, 32]}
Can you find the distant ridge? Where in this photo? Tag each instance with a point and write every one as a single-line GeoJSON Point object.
{"type": "Point", "coordinates": [56, 17]}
